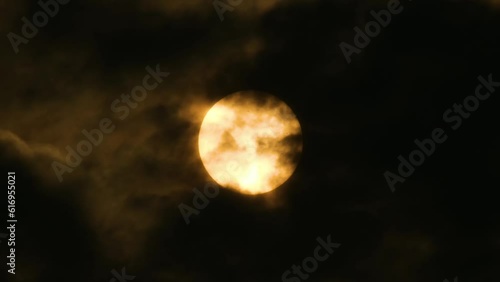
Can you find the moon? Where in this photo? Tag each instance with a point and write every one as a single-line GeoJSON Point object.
{"type": "Point", "coordinates": [250, 142]}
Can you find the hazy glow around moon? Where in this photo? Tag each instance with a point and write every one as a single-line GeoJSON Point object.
{"type": "Point", "coordinates": [250, 142]}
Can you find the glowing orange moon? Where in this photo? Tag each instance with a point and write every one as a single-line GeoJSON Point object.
{"type": "Point", "coordinates": [250, 142]}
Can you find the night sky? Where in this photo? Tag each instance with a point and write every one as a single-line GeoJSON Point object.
{"type": "Point", "coordinates": [119, 208]}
